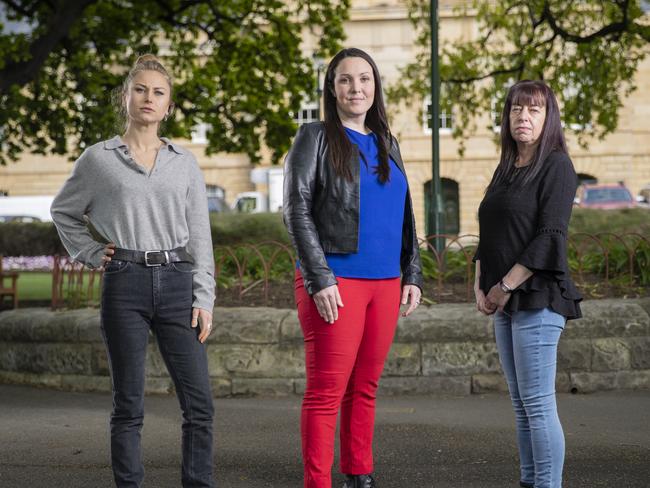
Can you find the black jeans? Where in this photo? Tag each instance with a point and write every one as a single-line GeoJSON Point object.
{"type": "Point", "coordinates": [136, 298]}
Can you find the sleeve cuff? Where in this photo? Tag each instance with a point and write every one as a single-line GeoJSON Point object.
{"type": "Point", "coordinates": [203, 297]}
{"type": "Point", "coordinates": [203, 302]}
{"type": "Point", "coordinates": [95, 258]}
{"type": "Point", "coordinates": [547, 252]}
{"type": "Point", "coordinates": [318, 283]}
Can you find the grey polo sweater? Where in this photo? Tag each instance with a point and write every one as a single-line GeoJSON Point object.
{"type": "Point", "coordinates": [138, 210]}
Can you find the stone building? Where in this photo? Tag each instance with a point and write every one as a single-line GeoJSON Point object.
{"type": "Point", "coordinates": [382, 28]}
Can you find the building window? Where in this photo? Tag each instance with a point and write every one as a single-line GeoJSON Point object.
{"type": "Point", "coordinates": [574, 99]}
{"type": "Point", "coordinates": [200, 133]}
{"type": "Point", "coordinates": [309, 112]}
{"type": "Point", "coordinates": [445, 117]}
{"type": "Point", "coordinates": [215, 191]}
{"type": "Point", "coordinates": [496, 110]}
{"type": "Point", "coordinates": [246, 205]}
{"type": "Point", "coordinates": [497, 104]}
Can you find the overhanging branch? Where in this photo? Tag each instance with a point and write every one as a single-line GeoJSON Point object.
{"type": "Point", "coordinates": [504, 71]}
{"type": "Point", "coordinates": [58, 27]}
{"type": "Point", "coordinates": [615, 28]}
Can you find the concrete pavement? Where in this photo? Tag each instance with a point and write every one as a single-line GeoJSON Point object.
{"type": "Point", "coordinates": [54, 439]}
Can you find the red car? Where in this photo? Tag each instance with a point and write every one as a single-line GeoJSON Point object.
{"type": "Point", "coordinates": [604, 197]}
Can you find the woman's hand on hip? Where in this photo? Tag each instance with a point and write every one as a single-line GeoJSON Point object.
{"type": "Point", "coordinates": [497, 297]}
{"type": "Point", "coordinates": [109, 250]}
{"type": "Point", "coordinates": [328, 300]}
{"type": "Point", "coordinates": [204, 319]}
{"type": "Point", "coordinates": [411, 294]}
{"type": "Point", "coordinates": [482, 304]}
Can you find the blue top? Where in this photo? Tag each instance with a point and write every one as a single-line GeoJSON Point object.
{"type": "Point", "coordinates": [381, 215]}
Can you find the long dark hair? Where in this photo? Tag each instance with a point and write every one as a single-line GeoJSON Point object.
{"type": "Point", "coordinates": [340, 147]}
{"type": "Point", "coordinates": [527, 92]}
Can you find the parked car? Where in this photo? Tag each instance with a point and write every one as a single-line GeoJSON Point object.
{"type": "Point", "coordinates": [255, 201]}
{"type": "Point", "coordinates": [26, 209]}
{"type": "Point", "coordinates": [217, 205]}
{"type": "Point", "coordinates": [604, 197]}
{"type": "Point", "coordinates": [23, 219]}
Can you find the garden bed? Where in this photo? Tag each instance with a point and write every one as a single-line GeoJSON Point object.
{"type": "Point", "coordinates": [281, 293]}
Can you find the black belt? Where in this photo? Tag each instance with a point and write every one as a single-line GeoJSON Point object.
{"type": "Point", "coordinates": [153, 258]}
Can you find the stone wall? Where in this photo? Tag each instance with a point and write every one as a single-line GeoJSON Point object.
{"type": "Point", "coordinates": [258, 351]}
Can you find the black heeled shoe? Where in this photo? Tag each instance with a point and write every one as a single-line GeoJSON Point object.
{"type": "Point", "coordinates": [526, 485]}
{"type": "Point", "coordinates": [359, 481]}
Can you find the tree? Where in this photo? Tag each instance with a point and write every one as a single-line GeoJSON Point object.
{"type": "Point", "coordinates": [238, 66]}
{"type": "Point", "coordinates": [587, 51]}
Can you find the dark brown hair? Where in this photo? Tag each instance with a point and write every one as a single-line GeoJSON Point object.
{"type": "Point", "coordinates": [527, 92]}
{"type": "Point", "coordinates": [339, 146]}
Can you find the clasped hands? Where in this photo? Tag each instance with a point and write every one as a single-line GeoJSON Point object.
{"type": "Point", "coordinates": [495, 300]}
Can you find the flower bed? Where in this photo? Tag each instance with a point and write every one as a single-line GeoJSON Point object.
{"type": "Point", "coordinates": [28, 263]}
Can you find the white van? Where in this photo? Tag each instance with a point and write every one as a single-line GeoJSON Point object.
{"type": "Point", "coordinates": [26, 209]}
{"type": "Point", "coordinates": [255, 201]}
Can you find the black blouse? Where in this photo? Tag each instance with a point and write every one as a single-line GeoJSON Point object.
{"type": "Point", "coordinates": [528, 225]}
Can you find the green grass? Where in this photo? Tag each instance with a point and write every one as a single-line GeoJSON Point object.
{"type": "Point", "coordinates": [34, 285]}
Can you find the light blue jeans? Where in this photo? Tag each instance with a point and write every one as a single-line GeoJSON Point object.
{"type": "Point", "coordinates": [527, 342]}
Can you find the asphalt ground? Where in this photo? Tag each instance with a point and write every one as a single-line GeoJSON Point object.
{"type": "Point", "coordinates": [51, 439]}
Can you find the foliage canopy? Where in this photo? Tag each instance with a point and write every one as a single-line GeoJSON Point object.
{"type": "Point", "coordinates": [587, 51]}
{"type": "Point", "coordinates": [238, 65]}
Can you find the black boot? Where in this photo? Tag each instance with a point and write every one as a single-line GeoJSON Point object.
{"type": "Point", "coordinates": [359, 481]}
{"type": "Point", "coordinates": [526, 485]}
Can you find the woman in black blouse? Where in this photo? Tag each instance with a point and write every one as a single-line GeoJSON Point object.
{"type": "Point", "coordinates": [522, 272]}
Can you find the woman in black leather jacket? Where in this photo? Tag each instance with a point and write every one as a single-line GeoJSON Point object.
{"type": "Point", "coordinates": [348, 210]}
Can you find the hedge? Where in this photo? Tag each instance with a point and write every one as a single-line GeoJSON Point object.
{"type": "Point", "coordinates": [233, 228]}
{"type": "Point", "coordinates": [41, 238]}
{"type": "Point", "coordinates": [33, 239]}
{"type": "Point", "coordinates": [36, 239]}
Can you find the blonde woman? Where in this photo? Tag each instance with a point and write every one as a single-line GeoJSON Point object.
{"type": "Point", "coordinates": [146, 196]}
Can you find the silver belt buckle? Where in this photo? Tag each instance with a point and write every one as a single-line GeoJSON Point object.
{"type": "Point", "coordinates": [146, 258]}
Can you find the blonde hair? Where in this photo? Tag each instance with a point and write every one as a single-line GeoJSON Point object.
{"type": "Point", "coordinates": [146, 62]}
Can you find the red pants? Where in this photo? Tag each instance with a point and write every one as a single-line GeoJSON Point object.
{"type": "Point", "coordinates": [344, 361]}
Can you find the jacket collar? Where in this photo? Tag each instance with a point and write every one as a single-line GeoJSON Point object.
{"type": "Point", "coordinates": [117, 142]}
{"type": "Point", "coordinates": [114, 143]}
{"type": "Point", "coordinates": [394, 151]}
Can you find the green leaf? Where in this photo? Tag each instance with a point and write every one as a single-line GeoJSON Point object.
{"type": "Point", "coordinates": [238, 66]}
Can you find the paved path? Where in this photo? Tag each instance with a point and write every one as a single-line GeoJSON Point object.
{"type": "Point", "coordinates": [52, 439]}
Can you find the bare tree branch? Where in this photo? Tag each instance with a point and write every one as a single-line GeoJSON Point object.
{"type": "Point", "coordinates": [615, 28]}
{"type": "Point", "coordinates": [484, 40]}
{"type": "Point", "coordinates": [504, 71]}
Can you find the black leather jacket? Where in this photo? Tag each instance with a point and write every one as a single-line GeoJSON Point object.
{"type": "Point", "coordinates": [321, 210]}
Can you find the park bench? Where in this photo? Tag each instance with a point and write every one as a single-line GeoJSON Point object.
{"type": "Point", "coordinates": [10, 291]}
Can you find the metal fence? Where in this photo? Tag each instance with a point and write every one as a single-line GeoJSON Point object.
{"type": "Point", "coordinates": [604, 262]}
{"type": "Point", "coordinates": [626, 256]}
{"type": "Point", "coordinates": [74, 285]}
